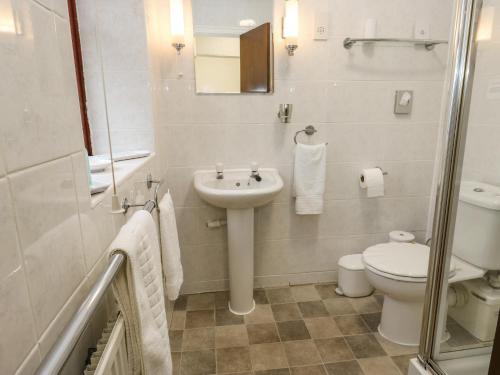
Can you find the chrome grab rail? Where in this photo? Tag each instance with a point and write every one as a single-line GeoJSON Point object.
{"type": "Point", "coordinates": [62, 348]}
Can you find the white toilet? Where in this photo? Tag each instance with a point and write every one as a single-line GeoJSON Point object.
{"type": "Point", "coordinates": [399, 270]}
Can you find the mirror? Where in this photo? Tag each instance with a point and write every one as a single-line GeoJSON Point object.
{"type": "Point", "coordinates": [233, 47]}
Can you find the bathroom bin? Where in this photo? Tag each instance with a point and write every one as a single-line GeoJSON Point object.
{"type": "Point", "coordinates": [352, 278]}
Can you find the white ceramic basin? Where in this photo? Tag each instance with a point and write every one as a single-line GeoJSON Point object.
{"type": "Point", "coordinates": [239, 194]}
{"type": "Point", "coordinates": [237, 190]}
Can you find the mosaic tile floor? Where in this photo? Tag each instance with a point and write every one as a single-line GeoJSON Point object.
{"type": "Point", "coordinates": [298, 330]}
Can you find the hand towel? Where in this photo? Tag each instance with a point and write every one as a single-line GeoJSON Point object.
{"type": "Point", "coordinates": [138, 288]}
{"type": "Point", "coordinates": [309, 178]}
{"type": "Point", "coordinates": [171, 253]}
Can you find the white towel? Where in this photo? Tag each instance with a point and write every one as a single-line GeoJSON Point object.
{"type": "Point", "coordinates": [309, 178]}
{"type": "Point", "coordinates": [139, 290]}
{"type": "Point", "coordinates": [171, 253]}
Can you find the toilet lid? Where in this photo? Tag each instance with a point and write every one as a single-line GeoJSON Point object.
{"type": "Point", "coordinates": [400, 259]}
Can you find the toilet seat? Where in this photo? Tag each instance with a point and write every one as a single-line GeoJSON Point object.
{"type": "Point", "coordinates": [400, 261]}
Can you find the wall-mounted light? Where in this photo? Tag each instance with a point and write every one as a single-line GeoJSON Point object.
{"type": "Point", "coordinates": [291, 25]}
{"type": "Point", "coordinates": [177, 24]}
{"type": "Point", "coordinates": [486, 22]}
{"type": "Point", "coordinates": [7, 20]}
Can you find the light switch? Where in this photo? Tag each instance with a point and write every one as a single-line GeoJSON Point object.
{"type": "Point", "coordinates": [403, 102]}
{"type": "Point", "coordinates": [321, 21]}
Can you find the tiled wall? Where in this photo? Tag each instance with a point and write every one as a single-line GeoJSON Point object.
{"type": "Point", "coordinates": [348, 95]}
{"type": "Point", "coordinates": [482, 153]}
{"type": "Point", "coordinates": [113, 38]}
{"type": "Point", "coordinates": [52, 242]}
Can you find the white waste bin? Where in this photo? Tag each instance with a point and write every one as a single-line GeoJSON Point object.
{"type": "Point", "coordinates": [352, 278]}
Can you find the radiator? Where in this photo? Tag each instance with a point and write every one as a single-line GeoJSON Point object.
{"type": "Point", "coordinates": [111, 355]}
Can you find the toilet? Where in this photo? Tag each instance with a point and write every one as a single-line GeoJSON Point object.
{"type": "Point", "coordinates": [399, 270]}
{"type": "Point", "coordinates": [352, 281]}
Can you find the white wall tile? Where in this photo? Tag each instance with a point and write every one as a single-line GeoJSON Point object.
{"type": "Point", "coordinates": [49, 230]}
{"type": "Point", "coordinates": [373, 101]}
{"type": "Point", "coordinates": [11, 259]}
{"type": "Point", "coordinates": [31, 363]}
{"type": "Point", "coordinates": [180, 182]}
{"type": "Point", "coordinates": [65, 313]}
{"type": "Point", "coordinates": [96, 222]}
{"type": "Point", "coordinates": [204, 263]}
{"type": "Point", "coordinates": [38, 107]}
{"type": "Point", "coordinates": [2, 166]}
{"type": "Point", "coordinates": [395, 18]}
{"type": "Point", "coordinates": [386, 62]}
{"type": "Point", "coordinates": [16, 322]}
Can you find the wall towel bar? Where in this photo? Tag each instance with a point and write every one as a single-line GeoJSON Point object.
{"type": "Point", "coordinates": [427, 43]}
{"type": "Point", "coordinates": [62, 348]}
{"type": "Point", "coordinates": [309, 130]}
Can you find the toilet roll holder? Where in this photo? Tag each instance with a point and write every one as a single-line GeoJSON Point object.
{"type": "Point", "coordinates": [384, 173]}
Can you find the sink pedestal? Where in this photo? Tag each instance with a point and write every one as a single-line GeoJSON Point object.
{"type": "Point", "coordinates": [240, 229]}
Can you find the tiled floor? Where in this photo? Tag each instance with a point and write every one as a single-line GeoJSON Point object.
{"type": "Point", "coordinates": [299, 330]}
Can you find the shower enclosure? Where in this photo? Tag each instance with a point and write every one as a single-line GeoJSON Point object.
{"type": "Point", "coordinates": [470, 154]}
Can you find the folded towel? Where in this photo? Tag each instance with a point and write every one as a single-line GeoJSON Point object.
{"type": "Point", "coordinates": [171, 253]}
{"type": "Point", "coordinates": [139, 290]}
{"type": "Point", "coordinates": [309, 178]}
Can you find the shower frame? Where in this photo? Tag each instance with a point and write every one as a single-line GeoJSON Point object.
{"type": "Point", "coordinates": [462, 58]}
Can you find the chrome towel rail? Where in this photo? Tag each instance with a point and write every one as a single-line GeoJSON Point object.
{"type": "Point", "coordinates": [64, 345]}
{"type": "Point", "coordinates": [62, 348]}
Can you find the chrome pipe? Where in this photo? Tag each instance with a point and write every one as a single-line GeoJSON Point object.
{"type": "Point", "coordinates": [462, 58]}
{"type": "Point", "coordinates": [62, 348]}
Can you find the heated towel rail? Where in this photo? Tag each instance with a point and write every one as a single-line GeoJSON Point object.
{"type": "Point", "coordinates": [62, 348]}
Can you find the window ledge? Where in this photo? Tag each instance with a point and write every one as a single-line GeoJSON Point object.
{"type": "Point", "coordinates": [123, 170]}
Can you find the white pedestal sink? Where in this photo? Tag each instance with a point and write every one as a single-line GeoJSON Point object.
{"type": "Point", "coordinates": [239, 194]}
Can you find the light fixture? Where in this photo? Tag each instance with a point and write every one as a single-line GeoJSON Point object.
{"type": "Point", "coordinates": [486, 22]}
{"type": "Point", "coordinates": [177, 24]}
{"type": "Point", "coordinates": [7, 21]}
{"type": "Point", "coordinates": [291, 26]}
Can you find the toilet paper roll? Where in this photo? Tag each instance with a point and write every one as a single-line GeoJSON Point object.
{"type": "Point", "coordinates": [372, 180]}
{"type": "Point", "coordinates": [401, 236]}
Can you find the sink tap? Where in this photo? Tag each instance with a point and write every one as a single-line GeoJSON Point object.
{"type": "Point", "coordinates": [219, 168]}
{"type": "Point", "coordinates": [255, 172]}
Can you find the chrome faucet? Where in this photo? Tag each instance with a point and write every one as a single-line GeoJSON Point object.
{"type": "Point", "coordinates": [219, 168]}
{"type": "Point", "coordinates": [255, 172]}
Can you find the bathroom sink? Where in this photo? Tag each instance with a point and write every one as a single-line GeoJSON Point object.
{"type": "Point", "coordinates": [239, 194]}
{"type": "Point", "coordinates": [237, 190]}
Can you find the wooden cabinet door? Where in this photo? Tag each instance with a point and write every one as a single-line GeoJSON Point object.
{"type": "Point", "coordinates": [255, 59]}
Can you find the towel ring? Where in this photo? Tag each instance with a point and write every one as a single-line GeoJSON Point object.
{"type": "Point", "coordinates": [309, 130]}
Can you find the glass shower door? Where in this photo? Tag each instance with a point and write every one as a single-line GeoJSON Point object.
{"type": "Point", "coordinates": [463, 299]}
